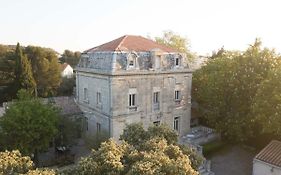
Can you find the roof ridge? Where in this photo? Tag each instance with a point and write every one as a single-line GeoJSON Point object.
{"type": "Point", "coordinates": [122, 41]}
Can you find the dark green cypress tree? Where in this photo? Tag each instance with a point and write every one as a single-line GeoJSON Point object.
{"type": "Point", "coordinates": [23, 72]}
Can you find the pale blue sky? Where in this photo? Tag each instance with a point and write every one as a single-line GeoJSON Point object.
{"type": "Point", "coordinates": [82, 24]}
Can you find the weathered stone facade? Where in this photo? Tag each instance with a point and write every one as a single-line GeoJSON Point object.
{"type": "Point", "coordinates": [127, 84]}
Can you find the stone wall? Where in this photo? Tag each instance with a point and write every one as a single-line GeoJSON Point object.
{"type": "Point", "coordinates": [110, 75]}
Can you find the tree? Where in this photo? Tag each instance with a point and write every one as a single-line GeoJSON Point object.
{"type": "Point", "coordinates": [14, 163]}
{"type": "Point", "coordinates": [23, 72]}
{"type": "Point", "coordinates": [66, 87]}
{"type": "Point", "coordinates": [45, 68]}
{"type": "Point", "coordinates": [71, 58]}
{"type": "Point", "coordinates": [158, 158]}
{"type": "Point", "coordinates": [226, 86]}
{"type": "Point", "coordinates": [266, 109]}
{"type": "Point", "coordinates": [135, 135]}
{"type": "Point", "coordinates": [177, 42]}
{"type": "Point", "coordinates": [28, 125]}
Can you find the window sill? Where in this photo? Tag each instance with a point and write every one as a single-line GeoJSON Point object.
{"type": "Point", "coordinates": [133, 108]}
{"type": "Point", "coordinates": [86, 101]}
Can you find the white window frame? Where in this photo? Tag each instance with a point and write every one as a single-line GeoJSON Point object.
{"type": "Point", "coordinates": [177, 62]}
{"type": "Point", "coordinates": [177, 124]}
{"type": "Point", "coordinates": [86, 95]}
{"type": "Point", "coordinates": [99, 98]}
{"type": "Point", "coordinates": [156, 96]}
{"type": "Point", "coordinates": [177, 95]}
{"type": "Point", "coordinates": [132, 99]}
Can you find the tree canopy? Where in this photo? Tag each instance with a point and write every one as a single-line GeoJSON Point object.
{"type": "Point", "coordinates": [14, 163]}
{"type": "Point", "coordinates": [72, 58]}
{"type": "Point", "coordinates": [177, 42]}
{"type": "Point", "coordinates": [225, 89]}
{"type": "Point", "coordinates": [28, 125]}
{"type": "Point", "coordinates": [266, 108]}
{"type": "Point", "coordinates": [141, 152]}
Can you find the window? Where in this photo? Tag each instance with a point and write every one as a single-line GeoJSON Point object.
{"type": "Point", "coordinates": [131, 63]}
{"type": "Point", "coordinates": [156, 123]}
{"type": "Point", "coordinates": [177, 124]}
{"type": "Point", "coordinates": [85, 94]}
{"type": "Point", "coordinates": [177, 95]}
{"type": "Point", "coordinates": [98, 98]}
{"type": "Point", "coordinates": [98, 128]}
{"type": "Point", "coordinates": [177, 61]}
{"type": "Point", "coordinates": [86, 124]}
{"type": "Point", "coordinates": [132, 100]}
{"type": "Point", "coordinates": [156, 105]}
{"type": "Point", "coordinates": [156, 97]}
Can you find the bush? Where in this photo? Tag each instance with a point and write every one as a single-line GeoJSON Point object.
{"type": "Point", "coordinates": [212, 147]}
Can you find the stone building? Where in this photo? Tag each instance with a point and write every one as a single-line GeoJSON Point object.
{"type": "Point", "coordinates": [133, 79]}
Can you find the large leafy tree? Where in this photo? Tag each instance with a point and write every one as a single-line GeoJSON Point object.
{"type": "Point", "coordinates": [23, 72]}
{"type": "Point", "coordinates": [137, 136]}
{"type": "Point", "coordinates": [266, 109]}
{"type": "Point", "coordinates": [28, 125]}
{"type": "Point", "coordinates": [177, 42]}
{"type": "Point", "coordinates": [158, 157]}
{"type": "Point", "coordinates": [14, 163]}
{"type": "Point", "coordinates": [226, 86]}
{"type": "Point", "coordinates": [45, 68]}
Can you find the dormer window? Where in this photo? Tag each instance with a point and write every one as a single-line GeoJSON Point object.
{"type": "Point", "coordinates": [132, 61]}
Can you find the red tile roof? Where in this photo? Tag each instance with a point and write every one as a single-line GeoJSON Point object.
{"type": "Point", "coordinates": [131, 43]}
{"type": "Point", "coordinates": [271, 153]}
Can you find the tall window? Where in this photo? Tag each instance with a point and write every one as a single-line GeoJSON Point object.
{"type": "Point", "coordinates": [177, 124]}
{"type": "Point", "coordinates": [132, 100]}
{"type": "Point", "coordinates": [98, 128]}
{"type": "Point", "coordinates": [177, 95]}
{"type": "Point", "coordinates": [156, 97]}
{"type": "Point", "coordinates": [98, 98]}
{"type": "Point", "coordinates": [85, 94]}
{"type": "Point", "coordinates": [177, 61]}
{"type": "Point", "coordinates": [87, 124]}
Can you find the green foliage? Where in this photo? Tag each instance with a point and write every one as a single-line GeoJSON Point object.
{"type": "Point", "coordinates": [266, 109]}
{"type": "Point", "coordinates": [66, 87]}
{"type": "Point", "coordinates": [72, 58]}
{"type": "Point", "coordinates": [45, 68]}
{"type": "Point", "coordinates": [14, 163]}
{"type": "Point", "coordinates": [135, 135]}
{"type": "Point", "coordinates": [28, 125]}
{"type": "Point", "coordinates": [177, 42]}
{"type": "Point", "coordinates": [225, 89]}
{"type": "Point", "coordinates": [212, 147]}
{"type": "Point", "coordinates": [113, 158]}
{"type": "Point", "coordinates": [23, 74]}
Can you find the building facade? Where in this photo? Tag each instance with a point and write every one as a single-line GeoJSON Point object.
{"type": "Point", "coordinates": [133, 79]}
{"type": "Point", "coordinates": [66, 70]}
{"type": "Point", "coordinates": [268, 160]}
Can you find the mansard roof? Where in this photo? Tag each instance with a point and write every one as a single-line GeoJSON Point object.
{"type": "Point", "coordinates": [131, 43]}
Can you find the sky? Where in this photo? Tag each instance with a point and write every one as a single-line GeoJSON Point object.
{"type": "Point", "coordinates": [82, 24]}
